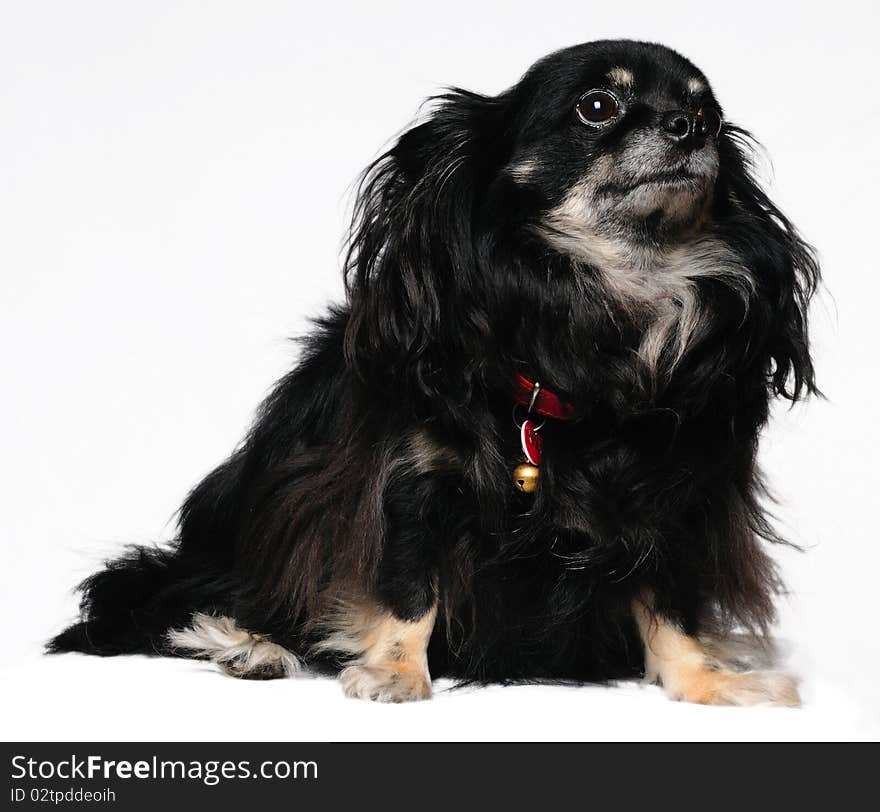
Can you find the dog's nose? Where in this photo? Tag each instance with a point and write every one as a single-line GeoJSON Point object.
{"type": "Point", "coordinates": [682, 128]}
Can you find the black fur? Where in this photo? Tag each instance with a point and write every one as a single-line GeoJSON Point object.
{"type": "Point", "coordinates": [450, 291]}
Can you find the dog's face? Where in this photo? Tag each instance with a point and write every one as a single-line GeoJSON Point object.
{"type": "Point", "coordinates": [619, 140]}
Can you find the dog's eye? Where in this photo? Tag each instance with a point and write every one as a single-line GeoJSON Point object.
{"type": "Point", "coordinates": [709, 121]}
{"type": "Point", "coordinates": [597, 107]}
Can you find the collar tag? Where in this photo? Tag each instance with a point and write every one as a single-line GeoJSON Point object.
{"type": "Point", "coordinates": [532, 442]}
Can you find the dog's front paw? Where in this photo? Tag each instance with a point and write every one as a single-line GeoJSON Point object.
{"type": "Point", "coordinates": [383, 684]}
{"type": "Point", "coordinates": [723, 687]}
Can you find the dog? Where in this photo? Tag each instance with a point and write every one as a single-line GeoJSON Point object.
{"type": "Point", "coordinates": [524, 446]}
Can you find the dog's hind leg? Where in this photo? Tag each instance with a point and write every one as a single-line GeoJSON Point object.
{"type": "Point", "coordinates": [240, 653]}
{"type": "Point", "coordinates": [688, 672]}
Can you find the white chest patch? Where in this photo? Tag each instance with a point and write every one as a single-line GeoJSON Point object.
{"type": "Point", "coordinates": [656, 286]}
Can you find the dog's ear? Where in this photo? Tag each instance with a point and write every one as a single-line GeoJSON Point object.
{"type": "Point", "coordinates": [786, 270]}
{"type": "Point", "coordinates": [412, 263]}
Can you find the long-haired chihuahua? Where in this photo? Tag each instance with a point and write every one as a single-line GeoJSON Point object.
{"type": "Point", "coordinates": [524, 447]}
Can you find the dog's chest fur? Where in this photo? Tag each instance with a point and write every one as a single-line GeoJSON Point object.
{"type": "Point", "coordinates": [656, 287]}
{"type": "Point", "coordinates": [659, 288]}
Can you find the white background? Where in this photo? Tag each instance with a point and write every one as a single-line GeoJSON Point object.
{"type": "Point", "coordinates": [173, 189]}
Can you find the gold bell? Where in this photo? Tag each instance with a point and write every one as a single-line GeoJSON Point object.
{"type": "Point", "coordinates": [525, 477]}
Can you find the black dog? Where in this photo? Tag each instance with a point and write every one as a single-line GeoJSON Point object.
{"type": "Point", "coordinates": [524, 447]}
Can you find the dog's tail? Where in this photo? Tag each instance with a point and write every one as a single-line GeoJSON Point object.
{"type": "Point", "coordinates": [130, 605]}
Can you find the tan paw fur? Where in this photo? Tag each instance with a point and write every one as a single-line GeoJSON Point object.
{"type": "Point", "coordinates": [383, 684]}
{"type": "Point", "coordinates": [706, 687]}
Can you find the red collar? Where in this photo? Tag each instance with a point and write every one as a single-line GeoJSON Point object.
{"type": "Point", "coordinates": [539, 400]}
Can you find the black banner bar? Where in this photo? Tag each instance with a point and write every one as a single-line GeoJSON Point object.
{"type": "Point", "coordinates": [391, 776]}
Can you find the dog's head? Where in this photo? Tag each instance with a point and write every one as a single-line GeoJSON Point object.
{"type": "Point", "coordinates": [609, 161]}
{"type": "Point", "coordinates": [620, 142]}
